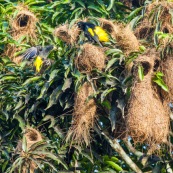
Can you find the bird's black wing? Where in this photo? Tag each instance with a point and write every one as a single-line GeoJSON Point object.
{"type": "Point", "coordinates": [30, 53]}
{"type": "Point", "coordinates": [90, 34]}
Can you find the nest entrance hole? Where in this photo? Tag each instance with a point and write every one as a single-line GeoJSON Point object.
{"type": "Point", "coordinates": [33, 136]}
{"type": "Point", "coordinates": [156, 65]}
{"type": "Point", "coordinates": [146, 66]}
{"type": "Point", "coordinates": [166, 30]}
{"type": "Point", "coordinates": [108, 27]}
{"type": "Point", "coordinates": [22, 20]}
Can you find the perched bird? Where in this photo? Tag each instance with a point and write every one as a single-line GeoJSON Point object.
{"type": "Point", "coordinates": [93, 32]}
{"type": "Point", "coordinates": [38, 54]}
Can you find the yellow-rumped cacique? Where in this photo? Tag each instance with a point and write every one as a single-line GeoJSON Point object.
{"type": "Point", "coordinates": [93, 32]}
{"type": "Point", "coordinates": [38, 54]}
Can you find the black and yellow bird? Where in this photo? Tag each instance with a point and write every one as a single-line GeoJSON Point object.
{"type": "Point", "coordinates": [93, 32]}
{"type": "Point", "coordinates": [38, 54]}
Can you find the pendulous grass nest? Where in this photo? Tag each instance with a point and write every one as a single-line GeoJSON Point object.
{"type": "Point", "coordinates": [123, 35]}
{"type": "Point", "coordinates": [83, 116]}
{"type": "Point", "coordinates": [92, 57]}
{"type": "Point", "coordinates": [147, 119]}
{"type": "Point", "coordinates": [23, 27]}
{"type": "Point", "coordinates": [68, 35]}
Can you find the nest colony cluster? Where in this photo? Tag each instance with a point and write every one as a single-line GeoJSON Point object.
{"type": "Point", "coordinates": [92, 57]}
{"type": "Point", "coordinates": [147, 118]}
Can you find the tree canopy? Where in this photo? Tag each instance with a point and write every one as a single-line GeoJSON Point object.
{"type": "Point", "coordinates": [90, 108]}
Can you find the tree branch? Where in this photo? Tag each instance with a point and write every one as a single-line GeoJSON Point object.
{"type": "Point", "coordinates": [117, 147]}
{"type": "Point", "coordinates": [132, 149]}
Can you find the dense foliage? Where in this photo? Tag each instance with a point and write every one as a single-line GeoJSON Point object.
{"type": "Point", "coordinates": [45, 101]}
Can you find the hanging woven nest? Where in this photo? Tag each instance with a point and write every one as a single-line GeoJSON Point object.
{"type": "Point", "coordinates": [23, 23]}
{"type": "Point", "coordinates": [92, 57]}
{"type": "Point", "coordinates": [68, 35]}
{"type": "Point", "coordinates": [83, 116]}
{"type": "Point", "coordinates": [123, 35]}
{"type": "Point", "coordinates": [167, 69]}
{"type": "Point", "coordinates": [149, 23]}
{"type": "Point", "coordinates": [23, 26]}
{"type": "Point", "coordinates": [32, 137]}
{"type": "Point", "coordinates": [147, 119]}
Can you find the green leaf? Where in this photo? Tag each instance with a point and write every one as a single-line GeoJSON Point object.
{"type": "Point", "coordinates": [158, 79]}
{"type": "Point", "coordinates": [30, 80]}
{"type": "Point", "coordinates": [55, 15]}
{"type": "Point", "coordinates": [134, 12]}
{"type": "Point", "coordinates": [67, 84]}
{"type": "Point", "coordinates": [51, 156]}
{"type": "Point", "coordinates": [54, 97]}
{"type": "Point", "coordinates": [106, 92]}
{"type": "Point", "coordinates": [161, 84]}
{"type": "Point", "coordinates": [21, 121]}
{"type": "Point", "coordinates": [159, 74]}
{"type": "Point", "coordinates": [43, 90]}
{"type": "Point", "coordinates": [8, 78]}
{"type": "Point", "coordinates": [35, 3]}
{"type": "Point", "coordinates": [106, 104]}
{"type": "Point", "coordinates": [93, 7]}
{"type": "Point", "coordinates": [114, 159]}
{"type": "Point", "coordinates": [134, 22]}
{"type": "Point", "coordinates": [110, 63]}
{"type": "Point", "coordinates": [142, 48]}
{"type": "Point", "coordinates": [141, 72]}
{"type": "Point", "coordinates": [51, 119]}
{"type": "Point", "coordinates": [111, 4]}
{"type": "Point", "coordinates": [81, 3]}
{"type": "Point", "coordinates": [24, 144]}
{"type": "Point", "coordinates": [4, 165]}
{"type": "Point", "coordinates": [111, 51]}
{"type": "Point", "coordinates": [19, 104]}
{"type": "Point", "coordinates": [114, 165]}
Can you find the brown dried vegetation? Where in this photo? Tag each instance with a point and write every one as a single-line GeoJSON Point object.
{"type": "Point", "coordinates": [68, 35]}
{"type": "Point", "coordinates": [124, 36]}
{"type": "Point", "coordinates": [167, 68]}
{"type": "Point", "coordinates": [22, 25]}
{"type": "Point", "coordinates": [146, 28]}
{"type": "Point", "coordinates": [147, 118]}
{"type": "Point", "coordinates": [83, 116]}
{"type": "Point", "coordinates": [32, 136]}
{"type": "Point", "coordinates": [91, 57]}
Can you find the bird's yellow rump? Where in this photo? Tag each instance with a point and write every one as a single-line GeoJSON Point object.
{"type": "Point", "coordinates": [38, 63]}
{"type": "Point", "coordinates": [101, 33]}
